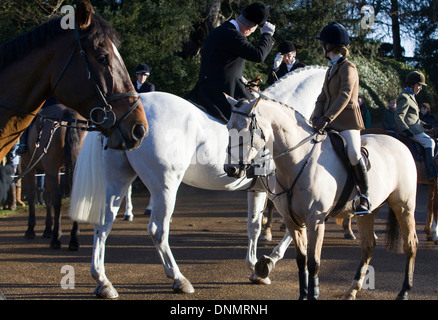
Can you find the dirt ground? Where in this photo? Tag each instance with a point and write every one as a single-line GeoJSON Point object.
{"type": "Point", "coordinates": [209, 242]}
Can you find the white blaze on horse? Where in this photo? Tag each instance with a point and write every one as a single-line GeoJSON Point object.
{"type": "Point", "coordinates": [310, 177]}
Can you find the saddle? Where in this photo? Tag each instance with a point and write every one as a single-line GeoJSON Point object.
{"type": "Point", "coordinates": [339, 145]}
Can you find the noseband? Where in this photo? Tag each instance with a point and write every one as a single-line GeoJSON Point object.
{"type": "Point", "coordinates": [102, 116]}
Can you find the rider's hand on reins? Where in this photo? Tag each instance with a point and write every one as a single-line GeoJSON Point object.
{"type": "Point", "coordinates": [319, 123]}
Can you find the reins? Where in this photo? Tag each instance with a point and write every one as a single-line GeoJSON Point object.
{"type": "Point", "coordinates": [316, 137]}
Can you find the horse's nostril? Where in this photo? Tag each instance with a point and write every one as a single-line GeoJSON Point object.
{"type": "Point", "coordinates": [139, 132]}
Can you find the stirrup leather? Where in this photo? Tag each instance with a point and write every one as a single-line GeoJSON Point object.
{"type": "Point", "coordinates": [361, 212]}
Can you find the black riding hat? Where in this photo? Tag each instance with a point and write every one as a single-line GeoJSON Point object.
{"type": "Point", "coordinates": [334, 33]}
{"type": "Point", "coordinates": [257, 13]}
{"type": "Point", "coordinates": [286, 47]}
{"type": "Point", "coordinates": [143, 68]}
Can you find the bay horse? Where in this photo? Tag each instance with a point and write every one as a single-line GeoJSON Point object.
{"type": "Point", "coordinates": [309, 180]}
{"type": "Point", "coordinates": [81, 67]}
{"type": "Point", "coordinates": [185, 145]}
{"type": "Point", "coordinates": [54, 141]}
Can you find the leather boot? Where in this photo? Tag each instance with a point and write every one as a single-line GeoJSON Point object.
{"type": "Point", "coordinates": [361, 176]}
{"type": "Point", "coordinates": [430, 164]}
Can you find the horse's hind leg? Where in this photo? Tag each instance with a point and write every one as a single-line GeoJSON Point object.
{"type": "Point", "coordinates": [406, 221]}
{"type": "Point", "coordinates": [54, 198]}
{"type": "Point", "coordinates": [432, 209]}
{"type": "Point", "coordinates": [158, 228]}
{"type": "Point", "coordinates": [74, 240]}
{"type": "Point", "coordinates": [368, 243]}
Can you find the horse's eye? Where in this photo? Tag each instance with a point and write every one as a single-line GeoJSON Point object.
{"type": "Point", "coordinates": [103, 59]}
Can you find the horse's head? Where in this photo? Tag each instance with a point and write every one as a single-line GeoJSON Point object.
{"type": "Point", "coordinates": [246, 140]}
{"type": "Point", "coordinates": [94, 81]}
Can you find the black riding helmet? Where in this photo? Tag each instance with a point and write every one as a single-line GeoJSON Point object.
{"type": "Point", "coordinates": [335, 34]}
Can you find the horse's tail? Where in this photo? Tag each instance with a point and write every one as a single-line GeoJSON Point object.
{"type": "Point", "coordinates": [88, 192]}
{"type": "Point", "coordinates": [71, 150]}
{"type": "Point", "coordinates": [394, 241]}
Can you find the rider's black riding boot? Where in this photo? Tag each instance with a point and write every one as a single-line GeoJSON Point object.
{"type": "Point", "coordinates": [430, 164]}
{"type": "Point", "coordinates": [361, 177]}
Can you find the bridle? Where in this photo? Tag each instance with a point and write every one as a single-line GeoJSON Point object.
{"type": "Point", "coordinates": [102, 115]}
{"type": "Point", "coordinates": [316, 137]}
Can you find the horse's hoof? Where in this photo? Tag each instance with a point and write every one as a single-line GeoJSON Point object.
{"type": "Point", "coordinates": [266, 237]}
{"type": "Point", "coordinates": [55, 244]}
{"type": "Point", "coordinates": [73, 245]}
{"type": "Point", "coordinates": [257, 280]}
{"type": "Point", "coordinates": [29, 234]}
{"type": "Point", "coordinates": [264, 267]}
{"type": "Point", "coordinates": [106, 292]}
{"type": "Point", "coordinates": [183, 286]}
{"type": "Point", "coordinates": [349, 236]}
{"type": "Point", "coordinates": [47, 234]}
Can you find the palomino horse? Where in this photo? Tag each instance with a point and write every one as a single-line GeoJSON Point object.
{"type": "Point", "coordinates": [81, 68]}
{"type": "Point", "coordinates": [430, 226]}
{"type": "Point", "coordinates": [310, 178]}
{"type": "Point", "coordinates": [184, 145]}
{"type": "Point", "coordinates": [54, 144]}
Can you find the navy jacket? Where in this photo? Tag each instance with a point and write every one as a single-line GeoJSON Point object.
{"type": "Point", "coordinates": [282, 70]}
{"type": "Point", "coordinates": [146, 87]}
{"type": "Point", "coordinates": [224, 54]}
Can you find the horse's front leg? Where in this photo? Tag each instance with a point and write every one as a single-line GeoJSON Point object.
{"type": "Point", "coordinates": [53, 198]}
{"type": "Point", "coordinates": [316, 237]}
{"type": "Point", "coordinates": [256, 205]}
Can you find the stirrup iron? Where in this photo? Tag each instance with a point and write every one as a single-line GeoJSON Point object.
{"type": "Point", "coordinates": [362, 212]}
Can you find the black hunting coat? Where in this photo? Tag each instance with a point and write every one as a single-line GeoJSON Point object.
{"type": "Point", "coordinates": [224, 54]}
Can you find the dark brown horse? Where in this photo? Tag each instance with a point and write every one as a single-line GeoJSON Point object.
{"type": "Point", "coordinates": [53, 145]}
{"type": "Point", "coordinates": [81, 67]}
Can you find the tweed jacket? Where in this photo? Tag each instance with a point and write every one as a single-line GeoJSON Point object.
{"type": "Point", "coordinates": [407, 113]}
{"type": "Point", "coordinates": [338, 101]}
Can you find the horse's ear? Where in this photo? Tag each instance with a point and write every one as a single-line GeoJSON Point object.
{"type": "Point", "coordinates": [230, 100]}
{"type": "Point", "coordinates": [83, 14]}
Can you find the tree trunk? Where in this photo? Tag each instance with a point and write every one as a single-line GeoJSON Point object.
{"type": "Point", "coordinates": [397, 48]}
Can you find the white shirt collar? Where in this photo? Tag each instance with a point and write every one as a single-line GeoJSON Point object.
{"type": "Point", "coordinates": [234, 22]}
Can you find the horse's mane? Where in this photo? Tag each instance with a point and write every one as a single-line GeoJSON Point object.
{"type": "Point", "coordinates": [292, 76]}
{"type": "Point", "coordinates": [21, 46]}
{"type": "Point", "coordinates": [289, 89]}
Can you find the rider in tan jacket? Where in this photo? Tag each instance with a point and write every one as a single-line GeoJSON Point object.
{"type": "Point", "coordinates": [337, 106]}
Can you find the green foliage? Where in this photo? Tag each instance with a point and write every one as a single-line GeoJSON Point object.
{"type": "Point", "coordinates": [157, 32]}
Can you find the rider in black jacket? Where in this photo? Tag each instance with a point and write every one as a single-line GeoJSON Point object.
{"type": "Point", "coordinates": [223, 58]}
